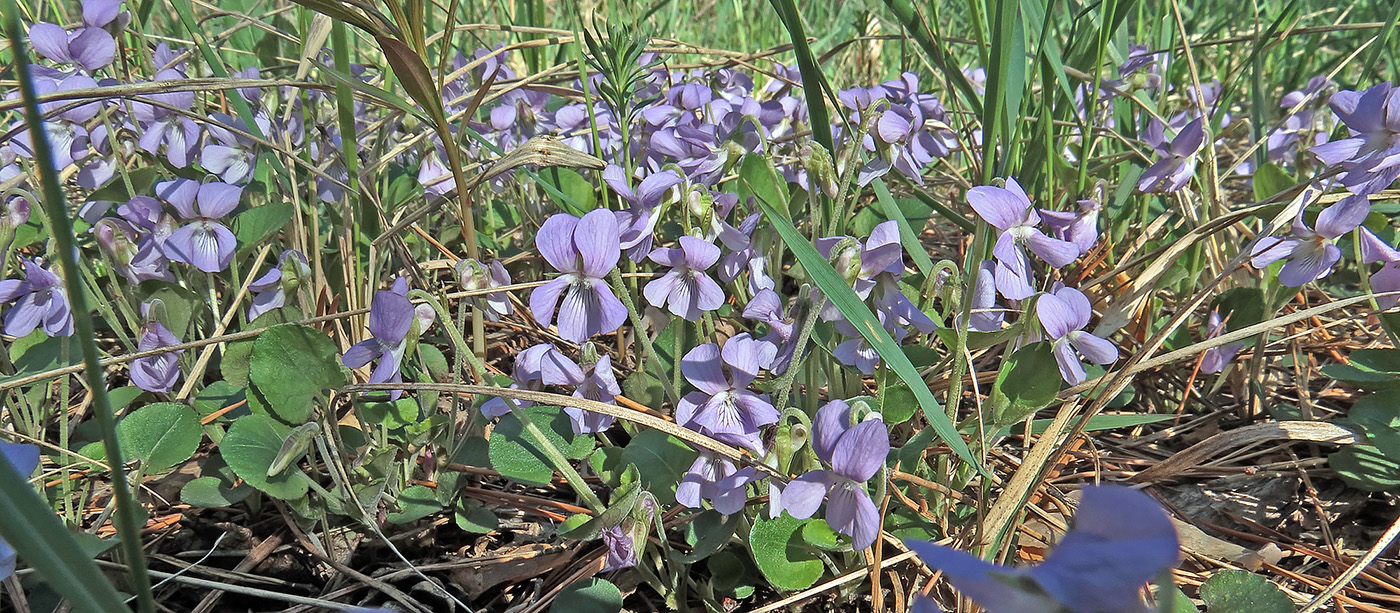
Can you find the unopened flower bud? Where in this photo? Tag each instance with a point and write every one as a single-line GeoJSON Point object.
{"type": "Point", "coordinates": [820, 170]}
{"type": "Point", "coordinates": [845, 258]}
{"type": "Point", "coordinates": [294, 268]}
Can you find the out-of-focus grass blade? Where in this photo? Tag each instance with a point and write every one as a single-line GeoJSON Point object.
{"type": "Point", "coordinates": [913, 22]}
{"type": "Point", "coordinates": [811, 74]}
{"type": "Point", "coordinates": [996, 123]}
{"type": "Point", "coordinates": [864, 321]}
{"type": "Point", "coordinates": [365, 89]}
{"type": "Point", "coordinates": [32, 529]}
{"type": "Point", "coordinates": [906, 233]}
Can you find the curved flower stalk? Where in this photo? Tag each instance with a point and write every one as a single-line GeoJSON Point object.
{"type": "Point", "coordinates": [156, 373]}
{"type": "Point", "coordinates": [854, 453]}
{"type": "Point", "coordinates": [204, 242]}
{"type": "Point", "coordinates": [1178, 163]}
{"type": "Point", "coordinates": [36, 301]}
{"type": "Point", "coordinates": [473, 276]}
{"type": "Point", "coordinates": [723, 407]}
{"type": "Point", "coordinates": [585, 250]}
{"type": "Point", "coordinates": [716, 479]}
{"type": "Point", "coordinates": [1215, 359]}
{"type": "Point", "coordinates": [390, 318]}
{"type": "Point", "coordinates": [686, 290]}
{"type": "Point", "coordinates": [1371, 156]}
{"type": "Point", "coordinates": [1310, 254]}
{"type": "Point", "coordinates": [1009, 210]}
{"type": "Point", "coordinates": [24, 459]}
{"type": "Point", "coordinates": [1121, 540]}
{"type": "Point", "coordinates": [1064, 314]}
{"type": "Point", "coordinates": [1387, 279]}
{"type": "Point", "coordinates": [270, 290]}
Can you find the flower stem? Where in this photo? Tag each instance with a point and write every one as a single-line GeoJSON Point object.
{"type": "Point", "coordinates": [641, 332]}
{"type": "Point", "coordinates": [784, 387]}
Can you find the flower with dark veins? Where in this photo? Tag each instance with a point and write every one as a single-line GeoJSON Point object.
{"type": "Point", "coordinates": [1311, 254]}
{"type": "Point", "coordinates": [204, 242]}
{"type": "Point", "coordinates": [585, 250]}
{"type": "Point", "coordinates": [854, 453]}
{"type": "Point", "coordinates": [686, 290]}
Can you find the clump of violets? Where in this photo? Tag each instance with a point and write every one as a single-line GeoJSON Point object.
{"type": "Point", "coordinates": [686, 289]}
{"type": "Point", "coordinates": [1371, 156]}
{"type": "Point", "coordinates": [204, 242]}
{"type": "Point", "coordinates": [36, 301]}
{"type": "Point", "coordinates": [1387, 279]}
{"type": "Point", "coordinates": [23, 459]}
{"type": "Point", "coordinates": [1178, 157]}
{"type": "Point", "coordinates": [1064, 314]}
{"type": "Point", "coordinates": [1121, 540]}
{"type": "Point", "coordinates": [156, 373]}
{"type": "Point", "coordinates": [1009, 210]}
{"type": "Point", "coordinates": [584, 249]}
{"type": "Point", "coordinates": [854, 453]}
{"type": "Point", "coordinates": [87, 48]}
{"type": "Point", "coordinates": [474, 276]}
{"type": "Point", "coordinates": [270, 290]}
{"type": "Point", "coordinates": [722, 406]}
{"type": "Point", "coordinates": [390, 318]}
{"type": "Point", "coordinates": [1311, 254]}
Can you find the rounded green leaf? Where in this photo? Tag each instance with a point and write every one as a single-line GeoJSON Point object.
{"type": "Point", "coordinates": [290, 365]}
{"type": "Point", "coordinates": [472, 517]}
{"type": "Point", "coordinates": [160, 435]}
{"type": "Point", "coordinates": [249, 448]}
{"type": "Point", "coordinates": [1238, 591]}
{"type": "Point", "coordinates": [592, 595]}
{"type": "Point", "coordinates": [785, 559]}
{"type": "Point", "coordinates": [661, 460]}
{"type": "Point", "coordinates": [415, 502]}
{"type": "Point", "coordinates": [515, 455]}
{"type": "Point", "coordinates": [213, 492]}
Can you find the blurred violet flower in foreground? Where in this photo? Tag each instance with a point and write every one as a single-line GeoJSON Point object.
{"type": "Point", "coordinates": [1009, 209]}
{"type": "Point", "coordinates": [24, 459]}
{"type": "Point", "coordinates": [1121, 540]}
{"type": "Point", "coordinates": [1311, 254]}
{"type": "Point", "coordinates": [156, 373]}
{"type": "Point", "coordinates": [1371, 157]}
{"type": "Point", "coordinates": [1064, 314]}
{"type": "Point", "coordinates": [205, 242]}
{"type": "Point", "coordinates": [527, 374]}
{"type": "Point", "coordinates": [270, 290]}
{"type": "Point", "coordinates": [1178, 163]}
{"type": "Point", "coordinates": [390, 317]}
{"type": "Point", "coordinates": [585, 250]}
{"type": "Point", "coordinates": [686, 290]}
{"type": "Point", "coordinates": [717, 480]}
{"type": "Point", "coordinates": [1215, 359]}
{"type": "Point", "coordinates": [1387, 279]}
{"type": "Point", "coordinates": [39, 301]}
{"type": "Point", "coordinates": [722, 406]}
{"type": "Point", "coordinates": [855, 454]}
{"type": "Point", "coordinates": [475, 276]}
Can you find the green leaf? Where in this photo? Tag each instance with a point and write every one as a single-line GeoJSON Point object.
{"type": "Point", "coordinates": [515, 455]}
{"type": "Point", "coordinates": [251, 446]}
{"type": "Point", "coordinates": [472, 517]}
{"type": "Point", "coordinates": [897, 403]}
{"type": "Point", "coordinates": [290, 366]}
{"type": "Point", "coordinates": [592, 595]}
{"type": "Point", "coordinates": [217, 396]}
{"type": "Point", "coordinates": [1367, 468]}
{"type": "Point", "coordinates": [39, 352]}
{"type": "Point", "coordinates": [782, 555]}
{"type": "Point", "coordinates": [864, 322]}
{"type": "Point", "coordinates": [410, 70]}
{"type": "Point", "coordinates": [760, 179]}
{"type": "Point", "coordinates": [213, 492]}
{"type": "Point", "coordinates": [234, 363]}
{"type": "Point", "coordinates": [1270, 180]}
{"type": "Point", "coordinates": [732, 574]}
{"type": "Point", "coordinates": [415, 502]}
{"type": "Point", "coordinates": [256, 225]}
{"type": "Point", "coordinates": [1376, 360]}
{"type": "Point", "coordinates": [160, 435]}
{"type": "Point", "coordinates": [1238, 591]}
{"type": "Point", "coordinates": [392, 415]}
{"type": "Point", "coordinates": [644, 388]}
{"type": "Point", "coordinates": [1027, 382]}
{"type": "Point", "coordinates": [820, 535]}
{"type": "Point", "coordinates": [661, 459]}
{"type": "Point", "coordinates": [574, 188]}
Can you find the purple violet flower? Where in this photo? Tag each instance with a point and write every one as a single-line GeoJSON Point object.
{"type": "Point", "coordinates": [621, 553]}
{"type": "Point", "coordinates": [526, 374]}
{"type": "Point", "coordinates": [767, 307]}
{"type": "Point", "coordinates": [723, 407]}
{"type": "Point", "coordinates": [161, 126]}
{"type": "Point", "coordinates": [1215, 359]}
{"type": "Point", "coordinates": [473, 276]}
{"type": "Point", "coordinates": [1121, 539]}
{"type": "Point", "coordinates": [390, 317]}
{"type": "Point", "coordinates": [1178, 162]}
{"type": "Point", "coordinates": [1009, 209]}
{"type": "Point", "coordinates": [854, 453]}
{"type": "Point", "coordinates": [585, 250]}
{"type": "Point", "coordinates": [38, 301]}
{"type": "Point", "coordinates": [986, 316]}
{"type": "Point", "coordinates": [270, 290]}
{"type": "Point", "coordinates": [232, 155]}
{"type": "Point", "coordinates": [1371, 156]}
{"type": "Point", "coordinates": [686, 289]}
{"type": "Point", "coordinates": [716, 479]}
{"type": "Point", "coordinates": [858, 352]}
{"type": "Point", "coordinates": [1064, 314]}
{"type": "Point", "coordinates": [88, 48]}
{"type": "Point", "coordinates": [1387, 279]}
{"type": "Point", "coordinates": [135, 254]}
{"type": "Point", "coordinates": [593, 380]}
{"type": "Point", "coordinates": [1079, 227]}
{"type": "Point", "coordinates": [1311, 254]}
{"type": "Point", "coordinates": [205, 242]}
{"type": "Point", "coordinates": [639, 221]}
{"type": "Point", "coordinates": [156, 373]}
{"type": "Point", "coordinates": [24, 459]}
